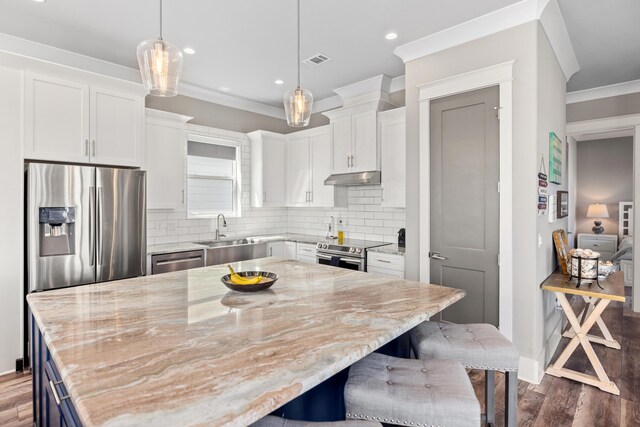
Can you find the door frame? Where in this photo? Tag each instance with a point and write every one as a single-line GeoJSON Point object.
{"type": "Point", "coordinates": [496, 75]}
{"type": "Point", "coordinates": [618, 123]}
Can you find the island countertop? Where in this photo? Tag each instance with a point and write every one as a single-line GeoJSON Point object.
{"type": "Point", "coordinates": [181, 349]}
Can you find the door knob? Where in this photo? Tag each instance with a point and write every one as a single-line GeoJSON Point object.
{"type": "Point", "coordinates": [436, 255]}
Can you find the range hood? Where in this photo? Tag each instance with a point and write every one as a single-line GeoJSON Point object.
{"type": "Point", "coordinates": [354, 178]}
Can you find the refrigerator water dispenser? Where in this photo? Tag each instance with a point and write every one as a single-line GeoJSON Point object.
{"type": "Point", "coordinates": [57, 231]}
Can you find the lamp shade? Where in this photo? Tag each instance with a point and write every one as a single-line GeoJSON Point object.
{"type": "Point", "coordinates": [297, 107]}
{"type": "Point", "coordinates": [597, 210]}
{"type": "Point", "coordinates": [160, 66]}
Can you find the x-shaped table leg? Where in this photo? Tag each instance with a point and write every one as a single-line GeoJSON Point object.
{"type": "Point", "coordinates": [581, 337]}
{"type": "Point", "coordinates": [608, 339]}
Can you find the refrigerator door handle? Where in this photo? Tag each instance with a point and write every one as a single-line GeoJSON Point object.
{"type": "Point", "coordinates": [92, 226]}
{"type": "Point", "coordinates": [99, 230]}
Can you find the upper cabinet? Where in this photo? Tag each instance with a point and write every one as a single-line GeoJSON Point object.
{"type": "Point", "coordinates": [77, 122]}
{"type": "Point", "coordinates": [268, 169]}
{"type": "Point", "coordinates": [165, 159]}
{"type": "Point", "coordinates": [392, 131]}
{"type": "Point", "coordinates": [355, 139]}
{"type": "Point", "coordinates": [308, 165]}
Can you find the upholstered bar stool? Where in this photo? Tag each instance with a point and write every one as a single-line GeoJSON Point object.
{"type": "Point", "coordinates": [410, 392]}
{"type": "Point", "coordinates": [476, 346]}
{"type": "Point", "coordinates": [273, 421]}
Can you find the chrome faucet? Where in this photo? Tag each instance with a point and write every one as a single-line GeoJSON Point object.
{"type": "Point", "coordinates": [224, 224]}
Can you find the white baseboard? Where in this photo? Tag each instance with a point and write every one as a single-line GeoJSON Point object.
{"type": "Point", "coordinates": [529, 370]}
{"type": "Point", "coordinates": [532, 370]}
{"type": "Point", "coordinates": [13, 371]}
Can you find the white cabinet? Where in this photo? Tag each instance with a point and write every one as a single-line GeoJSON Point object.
{"type": "Point", "coordinates": [355, 142]}
{"type": "Point", "coordinates": [306, 252]}
{"type": "Point", "coordinates": [308, 165]}
{"type": "Point", "coordinates": [365, 144]}
{"type": "Point", "coordinates": [275, 249]}
{"type": "Point", "coordinates": [299, 172]}
{"type": "Point", "coordinates": [387, 264]}
{"type": "Point", "coordinates": [290, 250]}
{"type": "Point", "coordinates": [605, 244]}
{"type": "Point", "coordinates": [268, 169]}
{"type": "Point", "coordinates": [321, 195]}
{"type": "Point", "coordinates": [56, 119]}
{"type": "Point", "coordinates": [70, 121]}
{"type": "Point", "coordinates": [165, 159]}
{"type": "Point", "coordinates": [116, 122]}
{"type": "Point", "coordinates": [392, 131]}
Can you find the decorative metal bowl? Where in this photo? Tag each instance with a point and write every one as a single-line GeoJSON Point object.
{"type": "Point", "coordinates": [268, 279]}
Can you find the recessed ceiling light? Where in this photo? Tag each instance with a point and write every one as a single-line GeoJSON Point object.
{"type": "Point", "coordinates": [279, 82]}
{"type": "Point", "coordinates": [224, 89]}
{"type": "Point", "coordinates": [189, 50]}
{"type": "Point", "coordinates": [391, 36]}
{"type": "Point", "coordinates": [39, 1]}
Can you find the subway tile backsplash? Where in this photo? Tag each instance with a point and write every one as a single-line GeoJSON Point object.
{"type": "Point", "coordinates": [364, 218]}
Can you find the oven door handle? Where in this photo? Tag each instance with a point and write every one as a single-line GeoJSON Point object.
{"type": "Point", "coordinates": [347, 260]}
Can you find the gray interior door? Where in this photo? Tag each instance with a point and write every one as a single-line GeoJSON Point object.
{"type": "Point", "coordinates": [120, 224]}
{"type": "Point", "coordinates": [465, 202]}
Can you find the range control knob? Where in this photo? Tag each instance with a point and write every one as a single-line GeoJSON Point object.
{"type": "Point", "coordinates": [352, 250]}
{"type": "Point", "coordinates": [325, 246]}
{"type": "Point", "coordinates": [358, 251]}
{"type": "Point", "coordinates": [319, 245]}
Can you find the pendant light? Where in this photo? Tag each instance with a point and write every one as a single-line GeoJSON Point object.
{"type": "Point", "coordinates": [298, 102]}
{"type": "Point", "coordinates": [160, 65]}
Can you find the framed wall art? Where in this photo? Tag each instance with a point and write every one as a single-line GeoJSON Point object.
{"type": "Point", "coordinates": [555, 159]}
{"type": "Point", "coordinates": [563, 204]}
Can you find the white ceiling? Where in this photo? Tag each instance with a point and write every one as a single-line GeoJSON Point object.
{"type": "Point", "coordinates": [606, 40]}
{"type": "Point", "coordinates": [246, 44]}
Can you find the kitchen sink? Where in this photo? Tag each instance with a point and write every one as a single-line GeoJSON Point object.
{"type": "Point", "coordinates": [223, 243]}
{"type": "Point", "coordinates": [226, 251]}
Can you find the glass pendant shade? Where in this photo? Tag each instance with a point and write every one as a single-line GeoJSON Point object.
{"type": "Point", "coordinates": [297, 107]}
{"type": "Point", "coordinates": [160, 66]}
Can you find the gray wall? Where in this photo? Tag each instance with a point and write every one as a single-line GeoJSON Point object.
{"type": "Point", "coordinates": [538, 107]}
{"type": "Point", "coordinates": [219, 116]}
{"type": "Point", "coordinates": [604, 175]}
{"type": "Point", "coordinates": [605, 107]}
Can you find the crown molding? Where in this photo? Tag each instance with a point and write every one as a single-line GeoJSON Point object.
{"type": "Point", "coordinates": [608, 91]}
{"type": "Point", "coordinates": [327, 104]}
{"type": "Point", "coordinates": [380, 83]}
{"type": "Point", "coordinates": [547, 11]}
{"type": "Point", "coordinates": [554, 27]}
{"type": "Point", "coordinates": [41, 52]}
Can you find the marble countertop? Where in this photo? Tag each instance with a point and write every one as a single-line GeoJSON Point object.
{"type": "Point", "coordinates": [181, 349]}
{"type": "Point", "coordinates": [388, 249]}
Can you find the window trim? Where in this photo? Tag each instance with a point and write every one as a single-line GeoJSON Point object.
{"type": "Point", "coordinates": [237, 175]}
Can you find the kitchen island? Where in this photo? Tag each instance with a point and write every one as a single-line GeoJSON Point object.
{"type": "Point", "coordinates": [181, 349]}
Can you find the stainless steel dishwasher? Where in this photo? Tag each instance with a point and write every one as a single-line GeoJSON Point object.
{"type": "Point", "coordinates": [176, 261]}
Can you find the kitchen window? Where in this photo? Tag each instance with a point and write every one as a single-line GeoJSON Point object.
{"type": "Point", "coordinates": [213, 171]}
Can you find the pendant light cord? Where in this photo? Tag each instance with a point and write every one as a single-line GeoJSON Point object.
{"type": "Point", "coordinates": [160, 19]}
{"type": "Point", "coordinates": [298, 43]}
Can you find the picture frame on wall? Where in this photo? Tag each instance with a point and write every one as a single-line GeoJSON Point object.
{"type": "Point", "coordinates": [563, 204]}
{"type": "Point", "coordinates": [555, 159]}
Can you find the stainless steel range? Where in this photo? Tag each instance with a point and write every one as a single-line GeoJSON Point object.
{"type": "Point", "coordinates": [352, 254]}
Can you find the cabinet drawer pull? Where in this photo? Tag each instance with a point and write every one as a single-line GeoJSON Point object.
{"type": "Point", "coordinates": [55, 393]}
{"type": "Point", "coordinates": [383, 260]}
{"type": "Point", "coordinates": [86, 147]}
{"type": "Point", "coordinates": [94, 148]}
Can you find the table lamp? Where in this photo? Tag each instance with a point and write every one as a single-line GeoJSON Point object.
{"type": "Point", "coordinates": [597, 210]}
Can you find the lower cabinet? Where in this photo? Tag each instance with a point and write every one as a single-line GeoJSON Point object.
{"type": "Point", "coordinates": [290, 250]}
{"type": "Point", "coordinates": [306, 252]}
{"type": "Point", "coordinates": [275, 249]}
{"type": "Point", "coordinates": [387, 264]}
{"type": "Point", "coordinates": [52, 405]}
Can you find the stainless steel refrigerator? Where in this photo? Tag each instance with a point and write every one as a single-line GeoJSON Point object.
{"type": "Point", "coordinates": [84, 225]}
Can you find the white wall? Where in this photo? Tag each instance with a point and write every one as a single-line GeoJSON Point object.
{"type": "Point", "coordinates": [519, 44]}
{"type": "Point", "coordinates": [551, 110]}
{"type": "Point", "coordinates": [11, 244]}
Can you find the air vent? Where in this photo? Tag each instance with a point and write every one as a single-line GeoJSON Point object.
{"type": "Point", "coordinates": [316, 60]}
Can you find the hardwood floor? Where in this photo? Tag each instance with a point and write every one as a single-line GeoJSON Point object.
{"type": "Point", "coordinates": [554, 402]}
